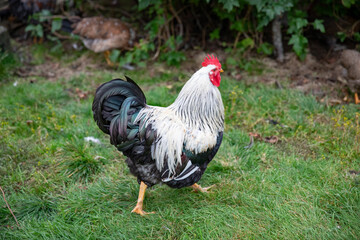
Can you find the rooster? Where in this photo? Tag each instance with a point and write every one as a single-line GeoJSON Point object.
{"type": "Point", "coordinates": [171, 145]}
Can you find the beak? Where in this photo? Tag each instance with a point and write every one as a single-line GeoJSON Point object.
{"type": "Point", "coordinates": [221, 70]}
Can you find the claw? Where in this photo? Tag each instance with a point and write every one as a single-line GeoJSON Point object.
{"type": "Point", "coordinates": [138, 209]}
{"type": "Point", "coordinates": [197, 188]}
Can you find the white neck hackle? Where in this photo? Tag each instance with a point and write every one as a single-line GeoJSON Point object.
{"type": "Point", "coordinates": [199, 104]}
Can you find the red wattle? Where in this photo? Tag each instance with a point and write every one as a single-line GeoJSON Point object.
{"type": "Point", "coordinates": [215, 78]}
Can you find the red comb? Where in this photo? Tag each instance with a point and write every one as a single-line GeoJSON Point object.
{"type": "Point", "coordinates": [211, 60]}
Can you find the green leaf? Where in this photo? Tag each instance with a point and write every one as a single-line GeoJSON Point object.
{"type": "Point", "coordinates": [215, 34]}
{"type": "Point", "coordinates": [151, 46]}
{"type": "Point", "coordinates": [228, 50]}
{"type": "Point", "coordinates": [259, 4]}
{"type": "Point", "coordinates": [178, 40]}
{"type": "Point", "coordinates": [342, 36]}
{"type": "Point", "coordinates": [263, 21]}
{"type": "Point", "coordinates": [173, 58]}
{"type": "Point", "coordinates": [141, 64]}
{"type": "Point", "coordinates": [39, 31]}
{"type": "Point", "coordinates": [114, 55]}
{"type": "Point", "coordinates": [36, 30]}
{"type": "Point", "coordinates": [56, 24]}
{"type": "Point", "coordinates": [265, 48]}
{"type": "Point", "coordinates": [279, 9]}
{"type": "Point", "coordinates": [144, 4]}
{"type": "Point", "coordinates": [247, 42]}
{"type": "Point", "coordinates": [318, 25]}
{"type": "Point", "coordinates": [270, 13]}
{"type": "Point", "coordinates": [296, 25]}
{"type": "Point", "coordinates": [170, 43]}
{"type": "Point", "coordinates": [299, 14]}
{"type": "Point", "coordinates": [43, 15]}
{"type": "Point", "coordinates": [299, 43]}
{"type": "Point", "coordinates": [357, 37]}
{"type": "Point", "coordinates": [238, 26]}
{"type": "Point", "coordinates": [231, 61]}
{"type": "Point", "coordinates": [29, 28]}
{"type": "Point", "coordinates": [348, 3]}
{"type": "Point", "coordinates": [128, 58]}
{"type": "Point", "coordinates": [301, 22]}
{"type": "Point", "coordinates": [229, 4]}
{"type": "Point", "coordinates": [154, 25]}
{"type": "Point", "coordinates": [52, 38]}
{"type": "Point", "coordinates": [56, 48]}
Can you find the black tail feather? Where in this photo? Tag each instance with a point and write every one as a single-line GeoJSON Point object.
{"type": "Point", "coordinates": [109, 110]}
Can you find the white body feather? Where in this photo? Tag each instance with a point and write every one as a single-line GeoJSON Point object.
{"type": "Point", "coordinates": [195, 118]}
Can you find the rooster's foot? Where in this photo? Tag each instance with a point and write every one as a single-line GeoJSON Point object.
{"type": "Point", "coordinates": [139, 205]}
{"type": "Point", "coordinates": [107, 58]}
{"type": "Point", "coordinates": [197, 188]}
{"type": "Point", "coordinates": [138, 209]}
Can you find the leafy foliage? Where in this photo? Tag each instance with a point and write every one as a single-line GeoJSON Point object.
{"type": "Point", "coordinates": [169, 27]}
{"type": "Point", "coordinates": [267, 10]}
{"type": "Point", "coordinates": [248, 19]}
{"type": "Point", "coordinates": [265, 48]}
{"type": "Point", "coordinates": [36, 27]}
{"type": "Point", "coordinates": [138, 55]}
{"type": "Point", "coordinates": [35, 30]}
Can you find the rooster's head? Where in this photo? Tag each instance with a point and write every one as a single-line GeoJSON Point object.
{"type": "Point", "coordinates": [214, 73]}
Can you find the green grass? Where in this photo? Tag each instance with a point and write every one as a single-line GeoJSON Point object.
{"type": "Point", "coordinates": [7, 64]}
{"type": "Point", "coordinates": [61, 187]}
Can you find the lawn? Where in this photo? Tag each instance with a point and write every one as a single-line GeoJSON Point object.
{"type": "Point", "coordinates": [306, 185]}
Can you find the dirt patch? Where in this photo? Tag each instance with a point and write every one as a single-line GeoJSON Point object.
{"type": "Point", "coordinates": [326, 79]}
{"type": "Point", "coordinates": [52, 70]}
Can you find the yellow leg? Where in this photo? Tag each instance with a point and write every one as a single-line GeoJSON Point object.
{"type": "Point", "coordinates": [109, 62]}
{"type": "Point", "coordinates": [36, 40]}
{"type": "Point", "coordinates": [139, 205]}
{"type": "Point", "coordinates": [197, 188]}
{"type": "Point", "coordinates": [357, 100]}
